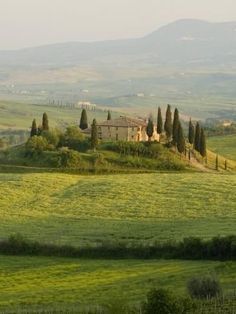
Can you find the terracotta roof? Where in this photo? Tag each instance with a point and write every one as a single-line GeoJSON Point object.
{"type": "Point", "coordinates": [123, 122]}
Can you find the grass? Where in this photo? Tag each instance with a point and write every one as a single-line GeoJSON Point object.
{"type": "Point", "coordinates": [52, 282]}
{"type": "Point", "coordinates": [224, 145]}
{"type": "Point", "coordinates": [82, 210]}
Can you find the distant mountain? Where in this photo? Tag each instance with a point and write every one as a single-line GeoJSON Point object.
{"type": "Point", "coordinates": [184, 41]}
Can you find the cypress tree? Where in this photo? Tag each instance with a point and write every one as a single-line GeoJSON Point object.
{"type": "Point", "coordinates": [180, 139]}
{"type": "Point", "coordinates": [34, 130]}
{"type": "Point", "coordinates": [109, 115]}
{"type": "Point", "coordinates": [191, 132]}
{"type": "Point", "coordinates": [159, 121]}
{"type": "Point", "coordinates": [197, 137]}
{"type": "Point", "coordinates": [150, 129]}
{"type": "Point", "coordinates": [175, 126]}
{"type": "Point", "coordinates": [168, 122]}
{"type": "Point", "coordinates": [45, 124]}
{"type": "Point", "coordinates": [94, 134]}
{"type": "Point", "coordinates": [202, 147]}
{"type": "Point", "coordinates": [83, 120]}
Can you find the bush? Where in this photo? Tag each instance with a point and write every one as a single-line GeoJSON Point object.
{"type": "Point", "coordinates": [52, 136]}
{"type": "Point", "coordinates": [204, 288]}
{"type": "Point", "coordinates": [72, 138]}
{"type": "Point", "coordinates": [161, 301]}
{"type": "Point", "coordinates": [68, 158]}
{"type": "Point", "coordinates": [36, 145]}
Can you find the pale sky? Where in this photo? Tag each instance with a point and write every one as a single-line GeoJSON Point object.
{"type": "Point", "coordinates": [25, 23]}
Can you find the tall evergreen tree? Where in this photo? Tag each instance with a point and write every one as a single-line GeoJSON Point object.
{"type": "Point", "coordinates": [176, 124]}
{"type": "Point", "coordinates": [191, 132]}
{"type": "Point", "coordinates": [159, 122]}
{"type": "Point", "coordinates": [109, 115]}
{"type": "Point", "coordinates": [83, 120]}
{"type": "Point", "coordinates": [150, 129]}
{"type": "Point", "coordinates": [197, 137]}
{"type": "Point", "coordinates": [34, 130]}
{"type": "Point", "coordinates": [45, 124]}
{"type": "Point", "coordinates": [94, 134]}
{"type": "Point", "coordinates": [202, 148]}
{"type": "Point", "coordinates": [180, 139]}
{"type": "Point", "coordinates": [168, 122]}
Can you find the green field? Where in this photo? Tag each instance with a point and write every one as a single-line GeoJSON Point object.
{"type": "Point", "coordinates": [60, 283]}
{"type": "Point", "coordinates": [80, 210]}
{"type": "Point", "coordinates": [223, 145]}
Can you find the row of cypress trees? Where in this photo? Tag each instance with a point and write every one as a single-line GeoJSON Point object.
{"type": "Point", "coordinates": [38, 130]}
{"type": "Point", "coordinates": [197, 138]}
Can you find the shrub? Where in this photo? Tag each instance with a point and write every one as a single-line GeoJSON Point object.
{"type": "Point", "coordinates": [161, 301]}
{"type": "Point", "coordinates": [72, 138]}
{"type": "Point", "coordinates": [36, 145]}
{"type": "Point", "coordinates": [68, 158]}
{"type": "Point", "coordinates": [204, 288]}
{"type": "Point", "coordinates": [52, 136]}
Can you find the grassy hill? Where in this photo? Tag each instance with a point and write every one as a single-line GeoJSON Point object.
{"type": "Point", "coordinates": [224, 145]}
{"type": "Point", "coordinates": [66, 284]}
{"type": "Point", "coordinates": [142, 208]}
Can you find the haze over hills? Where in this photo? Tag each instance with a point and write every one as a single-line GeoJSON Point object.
{"type": "Point", "coordinates": [181, 42]}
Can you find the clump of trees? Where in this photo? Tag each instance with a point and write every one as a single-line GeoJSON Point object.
{"type": "Point", "coordinates": [206, 287]}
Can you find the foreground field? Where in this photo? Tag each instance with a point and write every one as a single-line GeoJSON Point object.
{"type": "Point", "coordinates": [224, 145]}
{"type": "Point", "coordinates": [60, 283]}
{"type": "Point", "coordinates": [83, 210]}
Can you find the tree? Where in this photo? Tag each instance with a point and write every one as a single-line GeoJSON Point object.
{"type": "Point", "coordinates": [159, 121]}
{"type": "Point", "coordinates": [202, 146]}
{"type": "Point", "coordinates": [83, 120]}
{"type": "Point", "coordinates": [168, 123]}
{"type": "Point", "coordinates": [197, 137]}
{"type": "Point", "coordinates": [45, 124]}
{"type": "Point", "coordinates": [161, 301]}
{"type": "Point", "coordinates": [150, 129]}
{"type": "Point", "coordinates": [94, 134]}
{"type": "Point", "coordinates": [180, 139]}
{"type": "Point", "coordinates": [36, 145]}
{"type": "Point", "coordinates": [175, 126]}
{"type": "Point", "coordinates": [204, 287]}
{"type": "Point", "coordinates": [191, 132]}
{"type": "Point", "coordinates": [109, 115]}
{"type": "Point", "coordinates": [72, 137]}
{"type": "Point", "coordinates": [34, 130]}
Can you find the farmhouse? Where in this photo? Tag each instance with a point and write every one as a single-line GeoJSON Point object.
{"type": "Point", "coordinates": [124, 129]}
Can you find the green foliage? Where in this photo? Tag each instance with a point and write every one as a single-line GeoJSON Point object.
{"type": "Point", "coordinates": [180, 140]}
{"type": "Point", "coordinates": [197, 137]}
{"type": "Point", "coordinates": [176, 124]}
{"type": "Point", "coordinates": [159, 121]}
{"type": "Point", "coordinates": [34, 129]}
{"type": "Point", "coordinates": [94, 134]}
{"type": "Point", "coordinates": [162, 301]}
{"type": "Point", "coordinates": [150, 129]}
{"type": "Point", "coordinates": [202, 145]}
{"type": "Point", "coordinates": [168, 122]}
{"type": "Point", "coordinates": [108, 115]}
{"type": "Point", "coordinates": [73, 138]}
{"type": "Point", "coordinates": [45, 124]}
{"type": "Point", "coordinates": [36, 145]}
{"type": "Point", "coordinates": [52, 136]}
{"type": "Point", "coordinates": [204, 287]}
{"type": "Point", "coordinates": [83, 120]}
{"type": "Point", "coordinates": [68, 158]}
{"type": "Point", "coordinates": [191, 132]}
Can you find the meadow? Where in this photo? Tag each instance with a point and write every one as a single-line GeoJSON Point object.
{"type": "Point", "coordinates": [224, 145]}
{"type": "Point", "coordinates": [87, 210]}
{"type": "Point", "coordinates": [58, 283]}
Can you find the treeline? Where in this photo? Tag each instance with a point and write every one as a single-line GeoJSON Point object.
{"type": "Point", "coordinates": [217, 248]}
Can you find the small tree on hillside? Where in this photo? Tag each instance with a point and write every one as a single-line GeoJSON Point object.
{"type": "Point", "coordinates": [150, 129]}
{"type": "Point", "coordinates": [202, 143]}
{"type": "Point", "coordinates": [45, 123]}
{"type": "Point", "coordinates": [34, 130]}
{"type": "Point", "coordinates": [83, 120]}
{"type": "Point", "coordinates": [197, 137]}
{"type": "Point", "coordinates": [109, 115]}
{"type": "Point", "coordinates": [180, 139]}
{"type": "Point", "coordinates": [175, 126]}
{"type": "Point", "coordinates": [94, 134]}
{"type": "Point", "coordinates": [159, 122]}
{"type": "Point", "coordinates": [168, 123]}
{"type": "Point", "coordinates": [191, 132]}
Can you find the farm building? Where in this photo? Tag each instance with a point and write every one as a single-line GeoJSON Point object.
{"type": "Point", "coordinates": [124, 129]}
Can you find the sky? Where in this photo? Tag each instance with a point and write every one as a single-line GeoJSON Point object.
{"type": "Point", "coordinates": [26, 23]}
